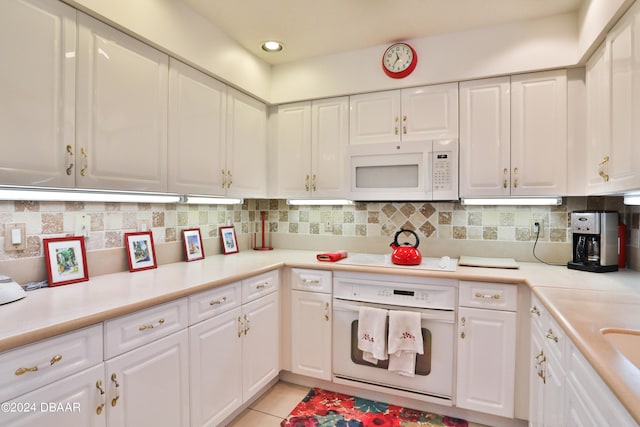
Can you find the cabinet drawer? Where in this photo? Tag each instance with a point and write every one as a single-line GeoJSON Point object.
{"type": "Point", "coordinates": [311, 280]}
{"type": "Point", "coordinates": [262, 284]}
{"type": "Point", "coordinates": [207, 304]}
{"type": "Point", "coordinates": [139, 328]}
{"type": "Point", "coordinates": [26, 368]}
{"type": "Point", "coordinates": [495, 296]}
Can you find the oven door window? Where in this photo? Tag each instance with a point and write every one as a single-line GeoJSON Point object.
{"type": "Point", "coordinates": [423, 361]}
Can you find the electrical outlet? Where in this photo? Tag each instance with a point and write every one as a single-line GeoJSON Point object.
{"type": "Point", "coordinates": [328, 226]}
{"type": "Point", "coordinates": [83, 225]}
{"type": "Point", "coordinates": [537, 228]}
{"type": "Point", "coordinates": [15, 237]}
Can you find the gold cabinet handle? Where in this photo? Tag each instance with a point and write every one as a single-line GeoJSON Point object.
{"type": "Point", "coordinates": [604, 176]}
{"type": "Point", "coordinates": [101, 406]}
{"type": "Point", "coordinates": [218, 302]}
{"type": "Point", "coordinates": [515, 181]}
{"type": "Point", "coordinates": [230, 180]}
{"type": "Point", "coordinates": [224, 178]}
{"type": "Point", "coordinates": [534, 310]}
{"type": "Point", "coordinates": [116, 384]}
{"type": "Point", "coordinates": [463, 335]}
{"type": "Point", "coordinates": [487, 296]}
{"type": "Point", "coordinates": [85, 158]}
{"type": "Point", "coordinates": [326, 311]}
{"type": "Point", "coordinates": [604, 161]}
{"type": "Point", "coordinates": [262, 285]}
{"type": "Point", "coordinates": [21, 371]}
{"type": "Point", "coordinates": [240, 326]}
{"type": "Point", "coordinates": [396, 127]}
{"type": "Point", "coordinates": [463, 321]}
{"type": "Point", "coordinates": [246, 324]}
{"type": "Point", "coordinates": [69, 169]}
{"type": "Point", "coordinates": [404, 125]}
{"type": "Point", "coordinates": [543, 376]}
{"type": "Point", "coordinates": [311, 281]}
{"type": "Point", "coordinates": [151, 326]}
{"type": "Point", "coordinates": [313, 183]}
{"type": "Point", "coordinates": [306, 183]}
{"type": "Point", "coordinates": [505, 181]}
{"type": "Point", "coordinates": [550, 335]}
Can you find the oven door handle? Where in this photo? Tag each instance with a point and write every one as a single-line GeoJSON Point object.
{"type": "Point", "coordinates": [444, 316]}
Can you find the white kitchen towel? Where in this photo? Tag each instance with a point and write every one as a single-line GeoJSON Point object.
{"type": "Point", "coordinates": [372, 334]}
{"type": "Point", "coordinates": [405, 341]}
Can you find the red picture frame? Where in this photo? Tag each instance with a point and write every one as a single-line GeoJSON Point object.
{"type": "Point", "coordinates": [193, 249]}
{"type": "Point", "coordinates": [66, 259]}
{"type": "Point", "coordinates": [141, 252]}
{"type": "Point", "coordinates": [228, 240]}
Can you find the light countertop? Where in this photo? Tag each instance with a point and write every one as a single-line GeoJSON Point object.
{"type": "Point", "coordinates": [581, 302]}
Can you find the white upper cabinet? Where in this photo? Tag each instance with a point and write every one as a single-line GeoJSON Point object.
{"type": "Point", "coordinates": [413, 114]}
{"type": "Point", "coordinates": [513, 135]}
{"type": "Point", "coordinates": [485, 141]}
{"type": "Point", "coordinates": [312, 140]}
{"type": "Point", "coordinates": [598, 107]}
{"type": "Point", "coordinates": [245, 174]}
{"type": "Point", "coordinates": [197, 120]}
{"type": "Point", "coordinates": [613, 112]}
{"type": "Point", "coordinates": [122, 111]}
{"type": "Point", "coordinates": [37, 87]}
{"type": "Point", "coordinates": [539, 134]}
{"type": "Point", "coordinates": [430, 112]}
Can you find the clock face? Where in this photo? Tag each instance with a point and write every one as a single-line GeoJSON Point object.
{"type": "Point", "coordinates": [399, 60]}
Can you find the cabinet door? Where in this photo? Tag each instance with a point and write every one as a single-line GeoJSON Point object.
{"type": "Point", "coordinates": [122, 111]}
{"type": "Point", "coordinates": [37, 87]}
{"type": "Point", "coordinates": [598, 105]}
{"type": "Point", "coordinates": [623, 43]}
{"type": "Point", "coordinates": [76, 401]}
{"type": "Point", "coordinates": [150, 384]}
{"type": "Point", "coordinates": [329, 142]}
{"type": "Point", "coordinates": [430, 112]}
{"type": "Point", "coordinates": [197, 119]}
{"type": "Point", "coordinates": [485, 142]}
{"type": "Point", "coordinates": [294, 150]}
{"type": "Point", "coordinates": [215, 362]}
{"type": "Point", "coordinates": [260, 343]}
{"type": "Point", "coordinates": [486, 361]}
{"type": "Point", "coordinates": [536, 378]}
{"type": "Point", "coordinates": [311, 334]}
{"type": "Point", "coordinates": [246, 148]}
{"type": "Point", "coordinates": [375, 118]}
{"type": "Point", "coordinates": [539, 134]}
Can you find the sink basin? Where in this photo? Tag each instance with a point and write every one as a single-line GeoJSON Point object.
{"type": "Point", "coordinates": [626, 341]}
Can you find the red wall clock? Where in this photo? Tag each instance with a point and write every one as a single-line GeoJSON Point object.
{"type": "Point", "coordinates": [399, 60]}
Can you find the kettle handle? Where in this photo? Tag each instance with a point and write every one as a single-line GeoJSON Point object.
{"type": "Point", "coordinates": [404, 230]}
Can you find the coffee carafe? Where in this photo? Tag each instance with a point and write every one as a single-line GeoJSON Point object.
{"type": "Point", "coordinates": [595, 241]}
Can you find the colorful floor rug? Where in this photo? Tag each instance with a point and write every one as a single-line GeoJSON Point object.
{"type": "Point", "coordinates": [321, 408]}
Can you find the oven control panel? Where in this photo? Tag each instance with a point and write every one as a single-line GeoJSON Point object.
{"type": "Point", "coordinates": [427, 295]}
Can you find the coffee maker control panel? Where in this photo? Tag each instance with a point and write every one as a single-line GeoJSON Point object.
{"type": "Point", "coordinates": [586, 222]}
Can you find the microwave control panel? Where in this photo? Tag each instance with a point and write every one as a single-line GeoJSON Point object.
{"type": "Point", "coordinates": [441, 171]}
{"type": "Point", "coordinates": [444, 163]}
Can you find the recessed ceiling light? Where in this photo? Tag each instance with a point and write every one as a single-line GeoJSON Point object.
{"type": "Point", "coordinates": [272, 46]}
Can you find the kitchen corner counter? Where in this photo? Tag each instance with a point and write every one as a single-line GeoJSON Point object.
{"type": "Point", "coordinates": [582, 303]}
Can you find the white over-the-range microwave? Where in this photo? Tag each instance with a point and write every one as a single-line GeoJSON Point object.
{"type": "Point", "coordinates": [426, 170]}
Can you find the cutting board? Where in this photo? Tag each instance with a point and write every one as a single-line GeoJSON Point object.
{"type": "Point", "coordinates": [473, 261]}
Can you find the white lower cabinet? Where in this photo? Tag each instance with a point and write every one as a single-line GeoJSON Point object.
{"type": "Point", "coordinates": [487, 348]}
{"type": "Point", "coordinates": [311, 323]}
{"type": "Point", "coordinates": [547, 378]}
{"type": "Point", "coordinates": [75, 401]}
{"type": "Point", "coordinates": [150, 385]}
{"type": "Point", "coordinates": [234, 354]}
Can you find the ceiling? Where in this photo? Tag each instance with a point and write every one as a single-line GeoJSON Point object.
{"type": "Point", "coordinates": [310, 28]}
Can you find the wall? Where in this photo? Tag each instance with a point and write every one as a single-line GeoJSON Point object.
{"type": "Point", "coordinates": [444, 228]}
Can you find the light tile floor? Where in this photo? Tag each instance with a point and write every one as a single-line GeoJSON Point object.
{"type": "Point", "coordinates": [275, 405]}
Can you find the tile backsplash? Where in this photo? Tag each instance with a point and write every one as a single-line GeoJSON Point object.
{"type": "Point", "coordinates": [431, 220]}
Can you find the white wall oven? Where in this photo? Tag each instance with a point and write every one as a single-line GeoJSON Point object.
{"type": "Point", "coordinates": [434, 299]}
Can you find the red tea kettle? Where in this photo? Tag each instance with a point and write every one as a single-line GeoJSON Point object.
{"type": "Point", "coordinates": [405, 253]}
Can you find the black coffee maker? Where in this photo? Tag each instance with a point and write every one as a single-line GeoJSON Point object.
{"type": "Point", "coordinates": [595, 241]}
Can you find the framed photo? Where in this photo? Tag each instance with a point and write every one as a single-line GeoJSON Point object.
{"type": "Point", "coordinates": [193, 244]}
{"type": "Point", "coordinates": [140, 250]}
{"type": "Point", "coordinates": [228, 238]}
{"type": "Point", "coordinates": [66, 260]}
